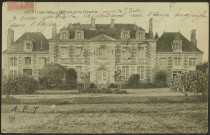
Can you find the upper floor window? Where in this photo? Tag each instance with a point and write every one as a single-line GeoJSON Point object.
{"type": "Point", "coordinates": [141, 52]}
{"type": "Point", "coordinates": [27, 61]}
{"type": "Point", "coordinates": [79, 51]}
{"type": "Point", "coordinates": [64, 52]}
{"type": "Point", "coordinates": [79, 35]}
{"type": "Point", "coordinates": [42, 62]}
{"type": "Point", "coordinates": [102, 53]}
{"type": "Point", "coordinates": [162, 61]}
{"type": "Point", "coordinates": [192, 62]}
{"type": "Point", "coordinates": [177, 61]}
{"type": "Point", "coordinates": [13, 61]}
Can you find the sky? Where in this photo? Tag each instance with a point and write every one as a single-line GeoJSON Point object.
{"type": "Point", "coordinates": [168, 17]}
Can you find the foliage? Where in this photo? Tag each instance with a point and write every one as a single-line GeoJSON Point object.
{"type": "Point", "coordinates": [92, 85]}
{"type": "Point", "coordinates": [71, 78]}
{"type": "Point", "coordinates": [195, 81]}
{"type": "Point", "coordinates": [112, 85]}
{"type": "Point", "coordinates": [53, 74]}
{"type": "Point", "coordinates": [19, 84]}
{"type": "Point", "coordinates": [160, 79]}
{"type": "Point", "coordinates": [203, 67]}
{"type": "Point", "coordinates": [133, 81]}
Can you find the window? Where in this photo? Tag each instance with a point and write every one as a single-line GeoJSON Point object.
{"type": "Point", "coordinates": [79, 70]}
{"type": "Point", "coordinates": [125, 35]}
{"type": "Point", "coordinates": [141, 53]}
{"type": "Point", "coordinates": [13, 61]}
{"type": "Point", "coordinates": [140, 35]}
{"type": "Point", "coordinates": [27, 71]}
{"type": "Point", "coordinates": [140, 71]}
{"type": "Point", "coordinates": [177, 46]}
{"type": "Point", "coordinates": [64, 35]}
{"type": "Point", "coordinates": [192, 62]}
{"type": "Point", "coordinates": [28, 46]}
{"type": "Point", "coordinates": [162, 61]}
{"type": "Point", "coordinates": [125, 71]}
{"type": "Point", "coordinates": [27, 61]}
{"type": "Point", "coordinates": [42, 62]}
{"type": "Point", "coordinates": [12, 72]}
{"type": "Point", "coordinates": [176, 72]}
{"type": "Point", "coordinates": [177, 61]}
{"type": "Point", "coordinates": [78, 51]}
{"type": "Point", "coordinates": [79, 35]}
{"type": "Point", "coordinates": [102, 52]}
{"type": "Point", "coordinates": [64, 52]}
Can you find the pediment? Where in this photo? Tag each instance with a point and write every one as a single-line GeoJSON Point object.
{"type": "Point", "coordinates": [102, 37]}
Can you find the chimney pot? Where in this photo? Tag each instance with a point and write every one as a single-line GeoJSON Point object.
{"type": "Point", "coordinates": [10, 37]}
{"type": "Point", "coordinates": [112, 23]}
{"type": "Point", "coordinates": [93, 27]}
{"type": "Point", "coordinates": [193, 37]}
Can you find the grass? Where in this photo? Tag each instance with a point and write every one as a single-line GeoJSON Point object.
{"type": "Point", "coordinates": [139, 111]}
{"type": "Point", "coordinates": [108, 118]}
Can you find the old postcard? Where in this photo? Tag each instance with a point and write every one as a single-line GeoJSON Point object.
{"type": "Point", "coordinates": [103, 67]}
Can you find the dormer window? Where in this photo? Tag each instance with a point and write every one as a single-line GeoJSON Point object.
{"type": "Point", "coordinates": [64, 34]}
{"type": "Point", "coordinates": [177, 46]}
{"type": "Point", "coordinates": [28, 45]}
{"type": "Point", "coordinates": [79, 34]}
{"type": "Point", "coordinates": [140, 35]}
{"type": "Point", "coordinates": [125, 34]}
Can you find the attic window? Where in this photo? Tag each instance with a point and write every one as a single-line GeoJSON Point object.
{"type": "Point", "coordinates": [28, 46]}
{"type": "Point", "coordinates": [125, 35]}
{"type": "Point", "coordinates": [177, 46]}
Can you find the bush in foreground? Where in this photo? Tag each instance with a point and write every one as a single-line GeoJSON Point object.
{"type": "Point", "coordinates": [20, 84]}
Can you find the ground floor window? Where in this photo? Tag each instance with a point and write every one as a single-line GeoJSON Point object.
{"type": "Point", "coordinates": [175, 72]}
{"type": "Point", "coordinates": [140, 71]}
{"type": "Point", "coordinates": [125, 71]}
{"type": "Point", "coordinates": [79, 70]}
{"type": "Point", "coordinates": [12, 72]}
{"type": "Point", "coordinates": [27, 71]}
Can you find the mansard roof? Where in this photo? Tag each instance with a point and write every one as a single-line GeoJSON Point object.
{"type": "Point", "coordinates": [36, 37]}
{"type": "Point", "coordinates": [165, 41]}
{"type": "Point", "coordinates": [103, 29]}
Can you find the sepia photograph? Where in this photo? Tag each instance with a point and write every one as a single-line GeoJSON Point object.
{"type": "Point", "coordinates": [105, 67]}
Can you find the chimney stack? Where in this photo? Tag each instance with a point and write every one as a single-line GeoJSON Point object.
{"type": "Point", "coordinates": [151, 26]}
{"type": "Point", "coordinates": [54, 31]}
{"type": "Point", "coordinates": [10, 37]}
{"type": "Point", "coordinates": [112, 23]}
{"type": "Point", "coordinates": [93, 27]}
{"type": "Point", "coordinates": [193, 37]}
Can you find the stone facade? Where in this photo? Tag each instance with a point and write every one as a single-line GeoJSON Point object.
{"type": "Point", "coordinates": [103, 51]}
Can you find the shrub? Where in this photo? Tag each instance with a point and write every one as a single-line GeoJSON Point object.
{"type": "Point", "coordinates": [195, 81]}
{"type": "Point", "coordinates": [203, 67]}
{"type": "Point", "coordinates": [53, 74]}
{"type": "Point", "coordinates": [160, 79]}
{"type": "Point", "coordinates": [133, 81]}
{"type": "Point", "coordinates": [71, 78]}
{"type": "Point", "coordinates": [112, 85]}
{"type": "Point", "coordinates": [20, 84]}
{"type": "Point", "coordinates": [92, 85]}
{"type": "Point", "coordinates": [117, 91]}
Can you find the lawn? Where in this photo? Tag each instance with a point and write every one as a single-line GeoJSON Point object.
{"type": "Point", "coordinates": [108, 113]}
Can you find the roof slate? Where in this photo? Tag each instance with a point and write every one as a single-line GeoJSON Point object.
{"type": "Point", "coordinates": [103, 29]}
{"type": "Point", "coordinates": [36, 37]}
{"type": "Point", "coordinates": [165, 41]}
